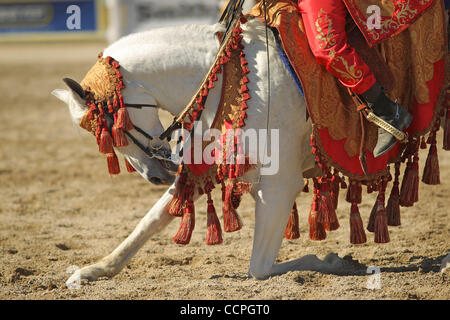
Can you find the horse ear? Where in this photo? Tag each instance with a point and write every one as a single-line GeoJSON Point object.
{"type": "Point", "coordinates": [62, 95]}
{"type": "Point", "coordinates": [76, 105]}
{"type": "Point", "coordinates": [75, 87]}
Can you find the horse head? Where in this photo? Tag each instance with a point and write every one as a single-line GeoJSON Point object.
{"type": "Point", "coordinates": [141, 140]}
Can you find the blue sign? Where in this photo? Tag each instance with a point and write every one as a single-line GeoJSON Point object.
{"type": "Point", "coordinates": [48, 16]}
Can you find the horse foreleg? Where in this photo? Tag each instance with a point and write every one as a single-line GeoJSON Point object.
{"type": "Point", "coordinates": [272, 209]}
{"type": "Point", "coordinates": [273, 205]}
{"type": "Point", "coordinates": [154, 221]}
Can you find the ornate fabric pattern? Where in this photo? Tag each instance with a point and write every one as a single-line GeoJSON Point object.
{"type": "Point", "coordinates": [414, 57]}
{"type": "Point", "coordinates": [103, 85]}
{"type": "Point", "coordinates": [232, 164]}
{"type": "Point", "coordinates": [396, 16]}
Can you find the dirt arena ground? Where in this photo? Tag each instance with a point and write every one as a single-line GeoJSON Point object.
{"type": "Point", "coordinates": [60, 208]}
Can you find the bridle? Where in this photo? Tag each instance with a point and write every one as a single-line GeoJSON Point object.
{"type": "Point", "coordinates": [150, 150]}
{"type": "Point", "coordinates": [230, 18]}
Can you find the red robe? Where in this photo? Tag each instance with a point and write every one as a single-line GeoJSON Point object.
{"type": "Point", "coordinates": [324, 22]}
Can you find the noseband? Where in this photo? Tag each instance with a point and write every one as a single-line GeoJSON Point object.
{"type": "Point", "coordinates": [151, 151]}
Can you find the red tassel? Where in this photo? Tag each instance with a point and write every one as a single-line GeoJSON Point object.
{"type": "Point", "coordinates": [334, 225]}
{"type": "Point", "coordinates": [123, 120]}
{"type": "Point", "coordinates": [316, 229]}
{"type": "Point", "coordinates": [187, 225]}
{"type": "Point", "coordinates": [119, 137]}
{"type": "Point", "coordinates": [423, 144]}
{"type": "Point", "coordinates": [431, 170]}
{"type": "Point", "coordinates": [292, 229]}
{"type": "Point", "coordinates": [213, 77]}
{"type": "Point", "coordinates": [393, 206]}
{"type": "Point", "coordinates": [354, 192]}
{"type": "Point", "coordinates": [244, 88]}
{"type": "Point", "coordinates": [231, 219]}
{"type": "Point", "coordinates": [182, 194]}
{"type": "Point", "coordinates": [106, 143]}
{"type": "Point", "coordinates": [326, 206]}
{"type": "Point", "coordinates": [378, 219]}
{"type": "Point", "coordinates": [128, 165]}
{"type": "Point", "coordinates": [113, 163]}
{"type": "Point", "coordinates": [214, 230]}
{"type": "Point", "coordinates": [224, 59]}
{"type": "Point", "coordinates": [381, 227]}
{"type": "Point", "coordinates": [357, 233]}
{"type": "Point", "coordinates": [409, 193]}
{"type": "Point", "coordinates": [176, 206]}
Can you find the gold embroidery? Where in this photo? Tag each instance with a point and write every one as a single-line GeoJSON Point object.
{"type": "Point", "coordinates": [350, 73]}
{"type": "Point", "coordinates": [405, 13]}
{"type": "Point", "coordinates": [327, 40]}
{"type": "Point", "coordinates": [401, 16]}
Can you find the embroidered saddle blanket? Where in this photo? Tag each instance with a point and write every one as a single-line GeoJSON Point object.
{"type": "Point", "coordinates": [406, 58]}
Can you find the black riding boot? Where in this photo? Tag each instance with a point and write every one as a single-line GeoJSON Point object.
{"type": "Point", "coordinates": [391, 112]}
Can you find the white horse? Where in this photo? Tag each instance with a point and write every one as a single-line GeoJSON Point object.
{"type": "Point", "coordinates": [165, 67]}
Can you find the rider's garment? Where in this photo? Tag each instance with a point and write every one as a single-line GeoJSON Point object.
{"type": "Point", "coordinates": [324, 22]}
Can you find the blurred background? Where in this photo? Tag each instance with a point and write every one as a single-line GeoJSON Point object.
{"type": "Point", "coordinates": [59, 20]}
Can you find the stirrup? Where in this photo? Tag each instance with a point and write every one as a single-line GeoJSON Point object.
{"type": "Point", "coordinates": [398, 134]}
{"type": "Point", "coordinates": [372, 117]}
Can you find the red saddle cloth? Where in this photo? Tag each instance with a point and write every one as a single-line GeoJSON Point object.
{"type": "Point", "coordinates": [408, 55]}
{"type": "Point", "coordinates": [415, 59]}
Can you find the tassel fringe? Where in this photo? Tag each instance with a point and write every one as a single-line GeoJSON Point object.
{"type": "Point", "coordinates": [214, 230]}
{"type": "Point", "coordinates": [119, 137]}
{"type": "Point", "coordinates": [409, 193]}
{"type": "Point", "coordinates": [231, 219]}
{"type": "Point", "coordinates": [381, 227]}
{"type": "Point", "coordinates": [357, 233]}
{"type": "Point", "coordinates": [187, 225]}
{"type": "Point", "coordinates": [431, 170]}
{"type": "Point", "coordinates": [113, 163]}
{"type": "Point", "coordinates": [123, 119]}
{"type": "Point", "coordinates": [106, 143]}
{"type": "Point", "coordinates": [316, 228]}
{"type": "Point", "coordinates": [292, 229]}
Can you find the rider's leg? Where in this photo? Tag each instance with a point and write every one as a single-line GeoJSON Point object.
{"type": "Point", "coordinates": [324, 22]}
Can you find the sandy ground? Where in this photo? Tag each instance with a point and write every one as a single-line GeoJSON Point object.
{"type": "Point", "coordinates": [60, 208]}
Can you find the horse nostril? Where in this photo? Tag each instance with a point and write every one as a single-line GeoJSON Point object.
{"type": "Point", "coordinates": [155, 180]}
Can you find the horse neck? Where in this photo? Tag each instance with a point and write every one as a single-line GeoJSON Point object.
{"type": "Point", "coordinates": [167, 64]}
